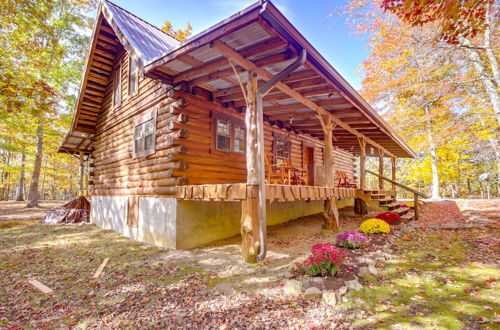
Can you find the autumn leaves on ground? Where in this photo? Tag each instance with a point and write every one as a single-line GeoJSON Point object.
{"type": "Point", "coordinates": [436, 278]}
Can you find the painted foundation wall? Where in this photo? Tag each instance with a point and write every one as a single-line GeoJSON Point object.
{"type": "Point", "coordinates": [157, 218]}
{"type": "Point", "coordinates": [169, 223]}
{"type": "Point", "coordinates": [200, 222]}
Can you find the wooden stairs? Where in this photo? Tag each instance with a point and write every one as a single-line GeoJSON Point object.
{"type": "Point", "coordinates": [385, 203]}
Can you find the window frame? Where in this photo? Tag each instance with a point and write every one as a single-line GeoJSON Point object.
{"type": "Point", "coordinates": [140, 122]}
{"type": "Point", "coordinates": [136, 84]}
{"type": "Point", "coordinates": [117, 84]}
{"type": "Point", "coordinates": [287, 141]}
{"type": "Point", "coordinates": [233, 122]}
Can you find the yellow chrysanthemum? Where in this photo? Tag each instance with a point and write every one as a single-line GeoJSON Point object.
{"type": "Point", "coordinates": [375, 226]}
{"type": "Point", "coordinates": [412, 203]}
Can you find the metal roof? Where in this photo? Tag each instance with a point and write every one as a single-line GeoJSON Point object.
{"type": "Point", "coordinates": [148, 41]}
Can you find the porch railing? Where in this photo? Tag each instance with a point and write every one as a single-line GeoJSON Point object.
{"type": "Point", "coordinates": [415, 193]}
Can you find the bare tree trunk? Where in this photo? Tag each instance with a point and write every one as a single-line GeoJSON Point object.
{"type": "Point", "coordinates": [43, 180]}
{"type": "Point", "coordinates": [35, 177]}
{"type": "Point", "coordinates": [20, 188]}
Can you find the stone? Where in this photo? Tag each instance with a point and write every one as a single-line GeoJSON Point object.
{"type": "Point", "coordinates": [318, 282]}
{"type": "Point", "coordinates": [343, 290]}
{"type": "Point", "coordinates": [372, 270]}
{"type": "Point", "coordinates": [292, 287]}
{"type": "Point", "coordinates": [312, 293]}
{"type": "Point", "coordinates": [364, 272]}
{"type": "Point", "coordinates": [353, 285]}
{"type": "Point", "coordinates": [329, 298]}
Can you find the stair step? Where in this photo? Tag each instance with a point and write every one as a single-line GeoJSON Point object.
{"type": "Point", "coordinates": [407, 217]}
{"type": "Point", "coordinates": [401, 211]}
{"type": "Point", "coordinates": [369, 191]}
{"type": "Point", "coordinates": [386, 201]}
{"type": "Point", "coordinates": [377, 196]}
{"type": "Point", "coordinates": [392, 206]}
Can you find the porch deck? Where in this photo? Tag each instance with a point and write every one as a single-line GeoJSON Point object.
{"type": "Point", "coordinates": [274, 192]}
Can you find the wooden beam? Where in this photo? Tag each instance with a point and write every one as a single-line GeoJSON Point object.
{"type": "Point", "coordinates": [393, 171]}
{"type": "Point", "coordinates": [362, 162]}
{"type": "Point", "coordinates": [249, 65]}
{"type": "Point", "coordinates": [255, 50]}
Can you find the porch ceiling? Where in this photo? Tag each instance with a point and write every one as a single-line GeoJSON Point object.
{"type": "Point", "coordinates": [258, 39]}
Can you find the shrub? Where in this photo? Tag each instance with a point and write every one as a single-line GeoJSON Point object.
{"type": "Point", "coordinates": [375, 226]}
{"type": "Point", "coordinates": [411, 203]}
{"type": "Point", "coordinates": [324, 261]}
{"type": "Point", "coordinates": [390, 217]}
{"type": "Point", "coordinates": [351, 240]}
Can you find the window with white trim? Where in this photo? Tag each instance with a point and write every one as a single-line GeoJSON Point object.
{"type": "Point", "coordinates": [229, 134]}
{"type": "Point", "coordinates": [223, 135]}
{"type": "Point", "coordinates": [240, 140]}
{"type": "Point", "coordinates": [133, 77]}
{"type": "Point", "coordinates": [145, 135]}
{"type": "Point", "coordinates": [117, 87]}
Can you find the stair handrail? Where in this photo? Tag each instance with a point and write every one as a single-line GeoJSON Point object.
{"type": "Point", "coordinates": [416, 192]}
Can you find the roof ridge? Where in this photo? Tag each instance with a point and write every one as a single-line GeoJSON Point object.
{"type": "Point", "coordinates": [150, 24]}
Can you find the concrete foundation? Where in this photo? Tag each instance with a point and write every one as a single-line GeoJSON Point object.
{"type": "Point", "coordinates": [170, 223]}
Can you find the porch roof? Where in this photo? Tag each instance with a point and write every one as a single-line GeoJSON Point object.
{"type": "Point", "coordinates": [263, 37]}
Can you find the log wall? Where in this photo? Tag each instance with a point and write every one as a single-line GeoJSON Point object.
{"type": "Point", "coordinates": [184, 153]}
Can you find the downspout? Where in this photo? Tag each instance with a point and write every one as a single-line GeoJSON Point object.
{"type": "Point", "coordinates": [266, 87]}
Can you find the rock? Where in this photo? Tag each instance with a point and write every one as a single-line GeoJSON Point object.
{"type": "Point", "coordinates": [364, 272]}
{"type": "Point", "coordinates": [372, 270]}
{"type": "Point", "coordinates": [292, 287]}
{"type": "Point", "coordinates": [318, 282]}
{"type": "Point", "coordinates": [353, 285]}
{"type": "Point", "coordinates": [329, 298]}
{"type": "Point", "coordinates": [343, 290]}
{"type": "Point", "coordinates": [312, 293]}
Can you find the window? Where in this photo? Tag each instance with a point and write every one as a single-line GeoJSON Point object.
{"type": "Point", "coordinates": [117, 88]}
{"type": "Point", "coordinates": [282, 146]}
{"type": "Point", "coordinates": [223, 135]}
{"type": "Point", "coordinates": [145, 135]}
{"type": "Point", "coordinates": [239, 139]}
{"type": "Point", "coordinates": [133, 75]}
{"type": "Point", "coordinates": [229, 134]}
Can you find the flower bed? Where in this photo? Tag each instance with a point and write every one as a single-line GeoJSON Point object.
{"type": "Point", "coordinates": [351, 240]}
{"type": "Point", "coordinates": [375, 226]}
{"type": "Point", "coordinates": [324, 261]}
{"type": "Point", "coordinates": [390, 217]}
{"type": "Point", "coordinates": [411, 204]}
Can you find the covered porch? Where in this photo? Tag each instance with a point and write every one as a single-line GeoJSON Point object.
{"type": "Point", "coordinates": [257, 64]}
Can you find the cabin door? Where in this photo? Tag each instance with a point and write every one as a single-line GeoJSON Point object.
{"type": "Point", "coordinates": [308, 153]}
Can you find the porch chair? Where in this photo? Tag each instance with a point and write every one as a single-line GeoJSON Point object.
{"type": "Point", "coordinates": [296, 176]}
{"type": "Point", "coordinates": [344, 181]}
{"type": "Point", "coordinates": [275, 173]}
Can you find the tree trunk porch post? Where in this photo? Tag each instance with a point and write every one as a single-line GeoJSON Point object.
{"type": "Point", "coordinates": [360, 206]}
{"type": "Point", "coordinates": [380, 169]}
{"type": "Point", "coordinates": [331, 213]}
{"type": "Point", "coordinates": [393, 172]}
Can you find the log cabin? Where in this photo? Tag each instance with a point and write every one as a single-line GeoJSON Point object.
{"type": "Point", "coordinates": [241, 126]}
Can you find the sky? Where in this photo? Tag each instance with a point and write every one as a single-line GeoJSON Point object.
{"type": "Point", "coordinates": [329, 34]}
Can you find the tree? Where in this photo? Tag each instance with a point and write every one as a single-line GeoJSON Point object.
{"type": "Point", "coordinates": [455, 19]}
{"type": "Point", "coordinates": [180, 34]}
{"type": "Point", "coordinates": [42, 58]}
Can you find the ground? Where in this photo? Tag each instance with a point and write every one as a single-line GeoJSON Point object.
{"type": "Point", "coordinates": [440, 272]}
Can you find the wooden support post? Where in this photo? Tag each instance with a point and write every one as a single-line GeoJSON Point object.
{"type": "Point", "coordinates": [362, 162]}
{"type": "Point", "coordinates": [250, 206]}
{"type": "Point", "coordinates": [82, 173]}
{"type": "Point", "coordinates": [393, 173]}
{"type": "Point", "coordinates": [331, 213]}
{"type": "Point", "coordinates": [416, 207]}
{"type": "Point", "coordinates": [380, 169]}
{"type": "Point", "coordinates": [360, 207]}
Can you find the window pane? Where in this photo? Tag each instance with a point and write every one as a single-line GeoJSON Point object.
{"type": "Point", "coordinates": [138, 132]}
{"type": "Point", "coordinates": [117, 97]}
{"type": "Point", "coordinates": [138, 145]}
{"type": "Point", "coordinates": [282, 148]}
{"type": "Point", "coordinates": [223, 127]}
{"type": "Point", "coordinates": [132, 77]}
{"type": "Point", "coordinates": [239, 132]}
{"type": "Point", "coordinates": [148, 127]}
{"type": "Point", "coordinates": [148, 142]}
{"type": "Point", "coordinates": [239, 146]}
{"type": "Point", "coordinates": [223, 143]}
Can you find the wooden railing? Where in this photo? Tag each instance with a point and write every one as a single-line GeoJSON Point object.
{"type": "Point", "coordinates": [415, 193]}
